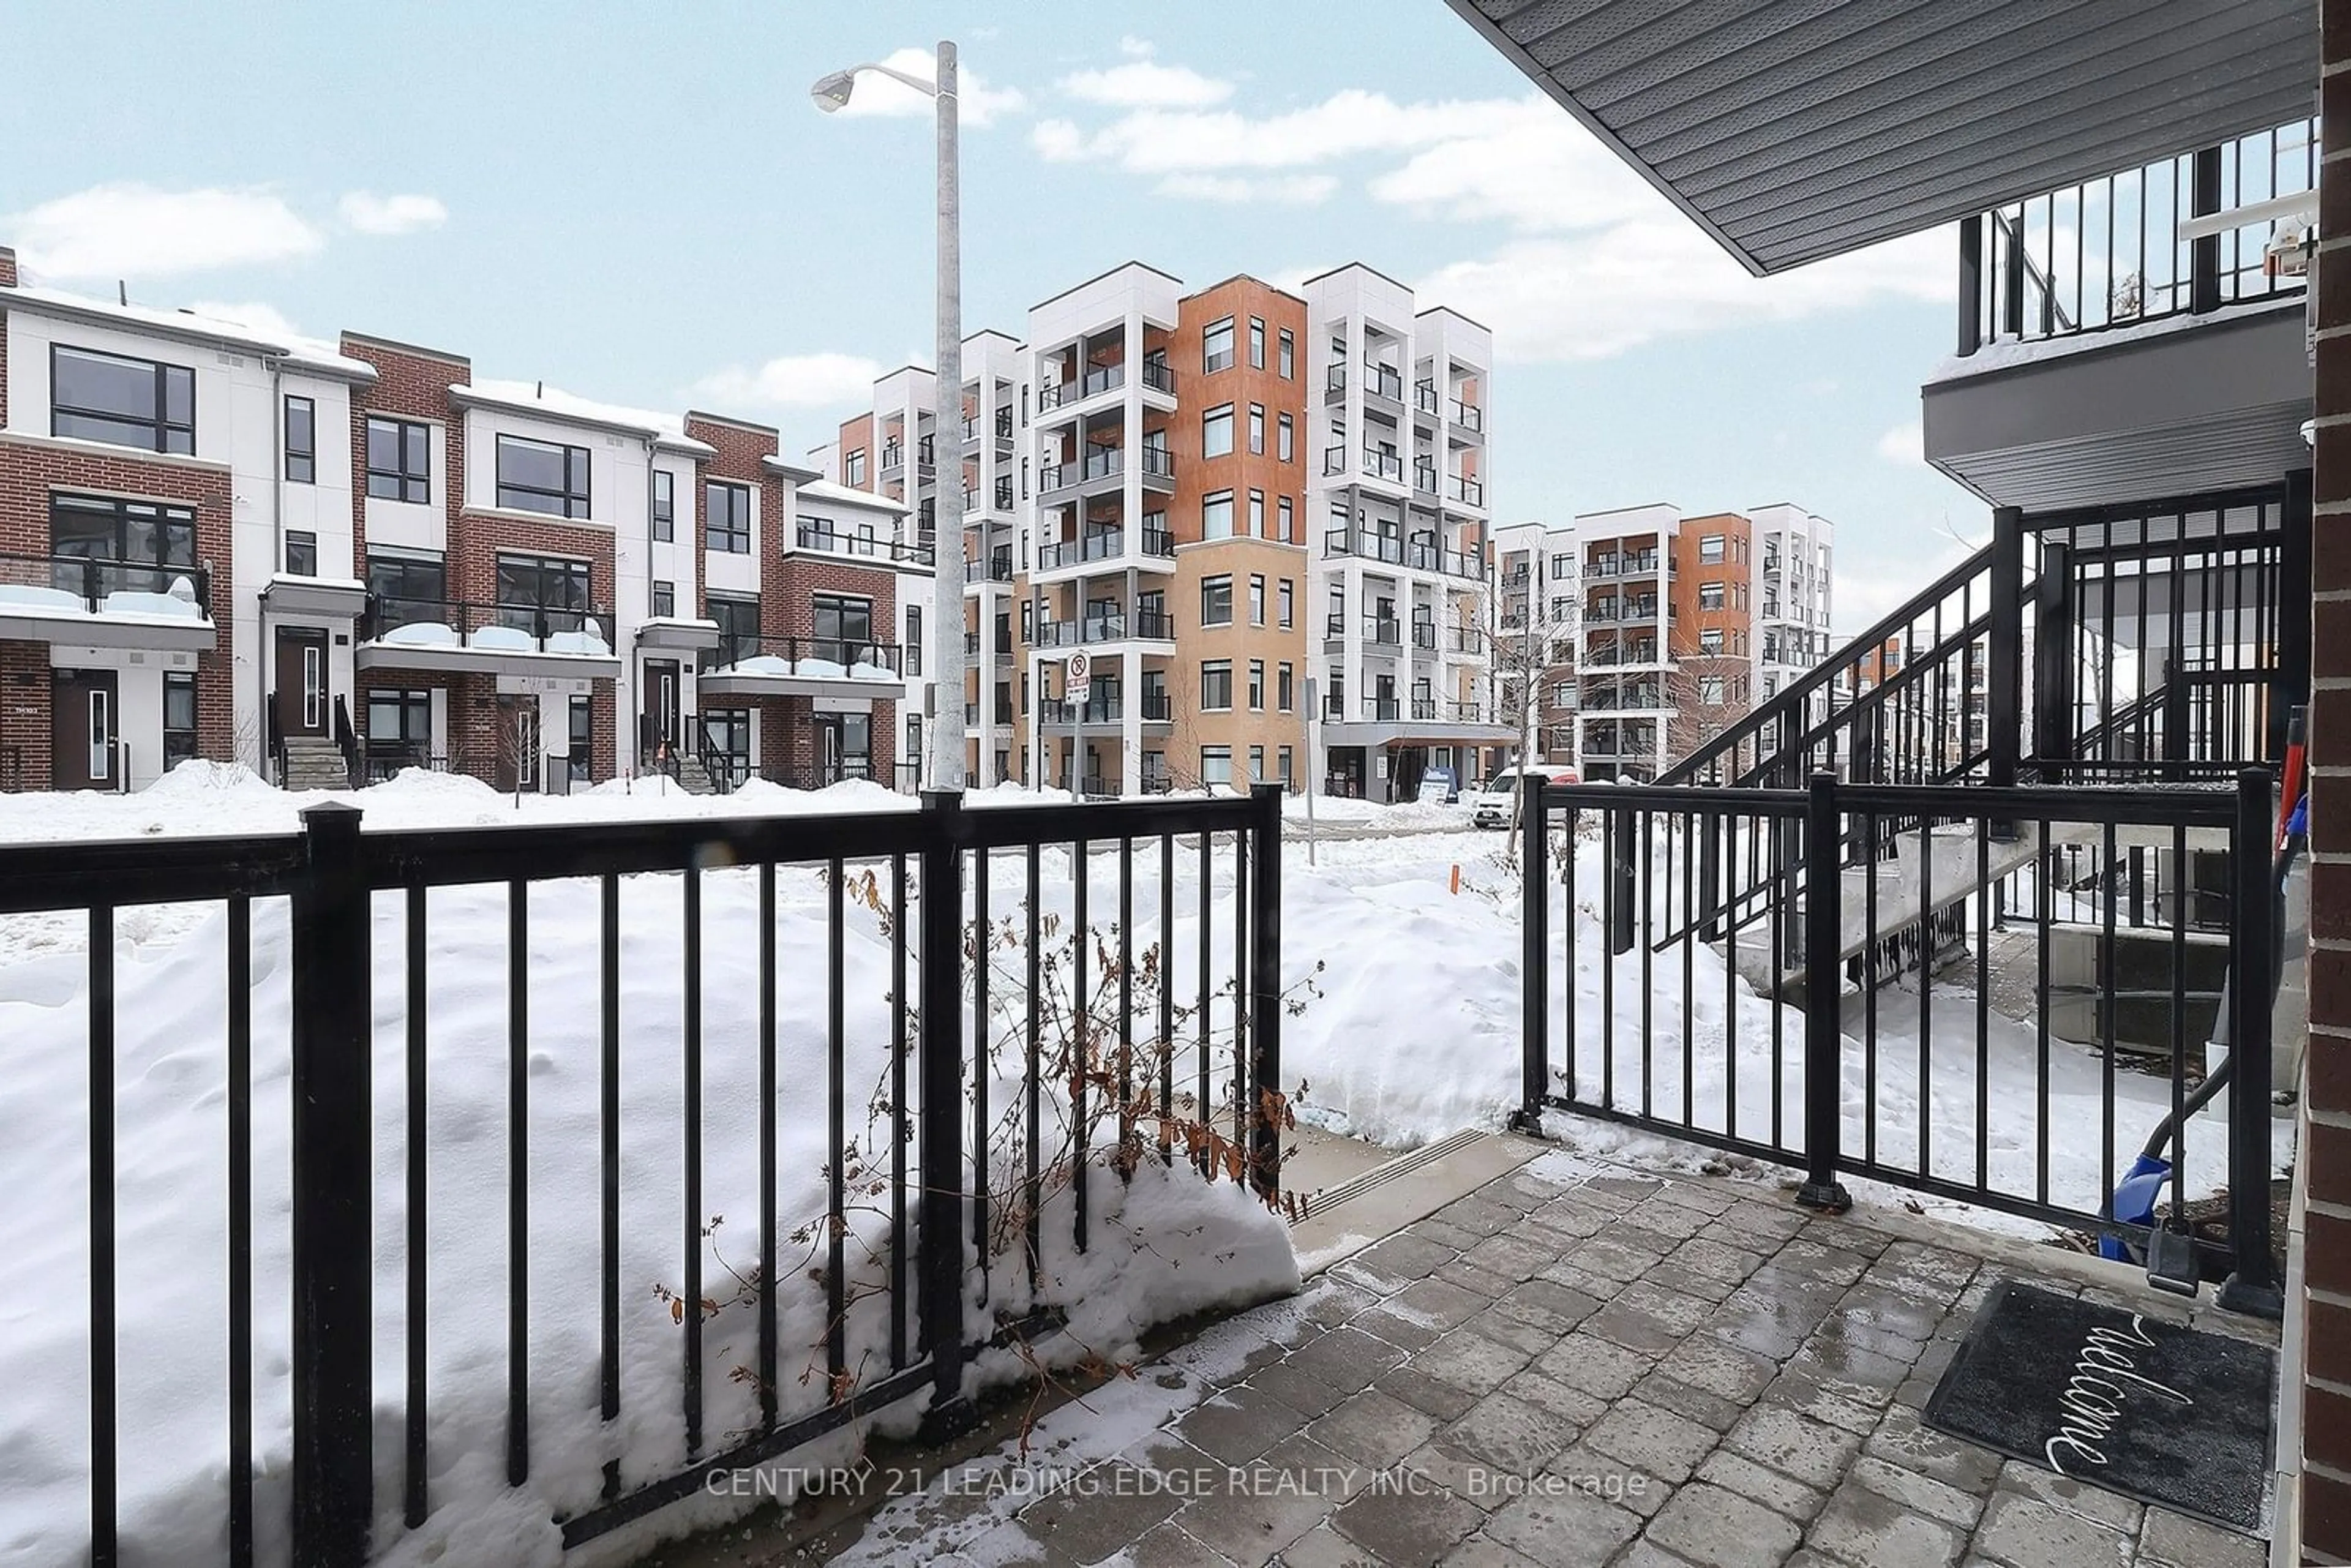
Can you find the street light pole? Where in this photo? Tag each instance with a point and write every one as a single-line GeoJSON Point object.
{"type": "Point", "coordinates": [945, 769]}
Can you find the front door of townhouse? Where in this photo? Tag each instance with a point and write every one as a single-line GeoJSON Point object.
{"type": "Point", "coordinates": [661, 725]}
{"type": "Point", "coordinates": [846, 746]}
{"type": "Point", "coordinates": [518, 744]}
{"type": "Point", "coordinates": [86, 723]}
{"type": "Point", "coordinates": [301, 670]}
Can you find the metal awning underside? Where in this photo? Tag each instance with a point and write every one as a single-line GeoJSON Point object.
{"type": "Point", "coordinates": [1795, 129]}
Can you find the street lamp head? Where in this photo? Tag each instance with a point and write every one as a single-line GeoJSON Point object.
{"type": "Point", "coordinates": [831, 92]}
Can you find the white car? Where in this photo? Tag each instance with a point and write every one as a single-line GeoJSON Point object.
{"type": "Point", "coordinates": [1498, 800]}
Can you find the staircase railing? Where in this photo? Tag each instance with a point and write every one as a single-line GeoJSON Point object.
{"type": "Point", "coordinates": [347, 741]}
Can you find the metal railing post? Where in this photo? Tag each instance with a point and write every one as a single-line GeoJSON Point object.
{"type": "Point", "coordinates": [1265, 987]}
{"type": "Point", "coordinates": [939, 1047]}
{"type": "Point", "coordinates": [1971, 284]}
{"type": "Point", "coordinates": [1534, 964]}
{"type": "Point", "coordinates": [1823, 1035]}
{"type": "Point", "coordinates": [2204, 254]}
{"type": "Point", "coordinates": [2253, 1285]}
{"type": "Point", "coordinates": [333, 1327]}
{"type": "Point", "coordinates": [2004, 679]}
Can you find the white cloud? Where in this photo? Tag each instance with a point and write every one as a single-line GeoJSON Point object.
{"type": "Point", "coordinates": [1147, 84]}
{"type": "Point", "coordinates": [1349, 122]}
{"type": "Point", "coordinates": [1136, 48]}
{"type": "Point", "coordinates": [977, 103]}
{"type": "Point", "coordinates": [137, 231]}
{"type": "Point", "coordinates": [792, 380]}
{"type": "Point", "coordinates": [373, 215]}
{"type": "Point", "coordinates": [1294, 190]}
{"type": "Point", "coordinates": [1591, 296]}
{"type": "Point", "coordinates": [250, 314]}
{"type": "Point", "coordinates": [1906, 443]}
{"type": "Point", "coordinates": [1525, 163]}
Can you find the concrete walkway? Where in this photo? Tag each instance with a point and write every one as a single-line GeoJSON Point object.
{"type": "Point", "coordinates": [1577, 1364]}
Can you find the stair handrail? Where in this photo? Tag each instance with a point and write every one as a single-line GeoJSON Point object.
{"type": "Point", "coordinates": [1914, 673]}
{"type": "Point", "coordinates": [347, 741]}
{"type": "Point", "coordinates": [1766, 719]}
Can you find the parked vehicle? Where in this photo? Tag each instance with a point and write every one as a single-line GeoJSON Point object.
{"type": "Point", "coordinates": [1496, 803]}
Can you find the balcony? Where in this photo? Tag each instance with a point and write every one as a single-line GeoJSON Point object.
{"type": "Point", "coordinates": [1387, 633]}
{"type": "Point", "coordinates": [1158, 468]}
{"type": "Point", "coordinates": [832, 541]}
{"type": "Point", "coordinates": [1001, 501]}
{"type": "Point", "coordinates": [1000, 429]}
{"type": "Point", "coordinates": [1469, 415]}
{"type": "Point", "coordinates": [1423, 397]}
{"type": "Point", "coordinates": [1393, 550]}
{"type": "Point", "coordinates": [1386, 466]}
{"type": "Point", "coordinates": [1467, 640]}
{"type": "Point", "coordinates": [1159, 377]}
{"type": "Point", "coordinates": [1058, 715]}
{"type": "Point", "coordinates": [1093, 381]}
{"type": "Point", "coordinates": [1158, 542]}
{"type": "Point", "coordinates": [803, 667]}
{"type": "Point", "coordinates": [1423, 635]}
{"type": "Point", "coordinates": [1158, 708]}
{"type": "Point", "coordinates": [1424, 479]}
{"type": "Point", "coordinates": [485, 639]}
{"type": "Point", "coordinates": [1104, 544]}
{"type": "Point", "coordinates": [997, 567]}
{"type": "Point", "coordinates": [1467, 491]}
{"type": "Point", "coordinates": [1424, 709]}
{"type": "Point", "coordinates": [1143, 626]}
{"type": "Point", "coordinates": [1383, 710]}
{"type": "Point", "coordinates": [85, 601]}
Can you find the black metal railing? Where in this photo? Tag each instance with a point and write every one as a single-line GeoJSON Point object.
{"type": "Point", "coordinates": [486, 628]}
{"type": "Point", "coordinates": [1159, 376]}
{"type": "Point", "coordinates": [1991, 1029]}
{"type": "Point", "coordinates": [832, 541]}
{"type": "Point", "coordinates": [924, 952]}
{"type": "Point", "coordinates": [2107, 253]}
{"type": "Point", "coordinates": [1096, 544]}
{"type": "Point", "coordinates": [1158, 708]}
{"type": "Point", "coordinates": [381, 761]}
{"type": "Point", "coordinates": [817, 658]}
{"type": "Point", "coordinates": [93, 585]}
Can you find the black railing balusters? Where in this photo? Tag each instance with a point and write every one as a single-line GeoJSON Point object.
{"type": "Point", "coordinates": [240, 1232]}
{"type": "Point", "coordinates": [942, 1126]}
{"type": "Point", "coordinates": [769, 1357]}
{"type": "Point", "coordinates": [1264, 1078]}
{"type": "Point", "coordinates": [1127, 1152]}
{"type": "Point", "coordinates": [2045, 916]}
{"type": "Point", "coordinates": [1167, 966]}
{"type": "Point", "coordinates": [1647, 869]}
{"type": "Point", "coordinates": [415, 1501]}
{"type": "Point", "coordinates": [1609, 857]}
{"type": "Point", "coordinates": [1535, 992]}
{"type": "Point", "coordinates": [2181, 898]}
{"type": "Point", "coordinates": [1243, 1112]}
{"type": "Point", "coordinates": [982, 964]}
{"type": "Point", "coordinates": [607, 1129]}
{"type": "Point", "coordinates": [690, 1177]}
{"type": "Point", "coordinates": [518, 1184]}
{"type": "Point", "coordinates": [1926, 990]}
{"type": "Point", "coordinates": [1201, 1108]}
{"type": "Point", "coordinates": [1081, 1044]}
{"type": "Point", "coordinates": [1035, 1191]}
{"type": "Point", "coordinates": [104, 1414]}
{"type": "Point", "coordinates": [1691, 832]}
{"type": "Point", "coordinates": [1871, 947]}
{"type": "Point", "coordinates": [1983, 1000]}
{"type": "Point", "coordinates": [836, 1156]}
{"type": "Point", "coordinates": [899, 1052]}
{"type": "Point", "coordinates": [1824, 1075]}
{"type": "Point", "coordinates": [2253, 1285]}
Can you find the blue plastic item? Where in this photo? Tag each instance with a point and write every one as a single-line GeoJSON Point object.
{"type": "Point", "coordinates": [2134, 1204]}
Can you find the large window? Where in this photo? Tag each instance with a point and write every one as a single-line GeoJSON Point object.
{"type": "Point", "coordinates": [1216, 346]}
{"type": "Point", "coordinates": [1215, 764]}
{"type": "Point", "coordinates": [738, 625]}
{"type": "Point", "coordinates": [1709, 595]}
{"type": "Point", "coordinates": [530, 584]}
{"type": "Point", "coordinates": [583, 737]}
{"type": "Point", "coordinates": [853, 469]}
{"type": "Point", "coordinates": [1257, 344]}
{"type": "Point", "coordinates": [400, 723]}
{"type": "Point", "coordinates": [1216, 685]}
{"type": "Point", "coordinates": [1216, 516]}
{"type": "Point", "coordinates": [1216, 432]}
{"type": "Point", "coordinates": [912, 654]}
{"type": "Point", "coordinates": [301, 441]}
{"type": "Point", "coordinates": [178, 716]}
{"type": "Point", "coordinates": [406, 588]}
{"type": "Point", "coordinates": [1288, 363]}
{"type": "Point", "coordinates": [728, 510]}
{"type": "Point", "coordinates": [123, 402]}
{"type": "Point", "coordinates": [541, 476]}
{"type": "Point", "coordinates": [99, 528]}
{"type": "Point", "coordinates": [1217, 601]}
{"type": "Point", "coordinates": [399, 460]}
{"type": "Point", "coordinates": [1285, 601]}
{"type": "Point", "coordinates": [664, 504]}
{"type": "Point", "coordinates": [844, 627]}
{"type": "Point", "coordinates": [1711, 547]}
{"type": "Point", "coordinates": [1284, 688]}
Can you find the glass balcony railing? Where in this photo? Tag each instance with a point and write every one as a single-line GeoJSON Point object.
{"type": "Point", "coordinates": [1386, 466]}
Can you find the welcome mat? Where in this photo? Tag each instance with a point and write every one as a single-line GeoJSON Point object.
{"type": "Point", "coordinates": [2162, 1414]}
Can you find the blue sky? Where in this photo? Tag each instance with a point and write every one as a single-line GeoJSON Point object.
{"type": "Point", "coordinates": [639, 204]}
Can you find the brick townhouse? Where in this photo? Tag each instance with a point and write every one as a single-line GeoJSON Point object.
{"type": "Point", "coordinates": [336, 561]}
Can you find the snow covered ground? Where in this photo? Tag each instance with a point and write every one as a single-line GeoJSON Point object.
{"type": "Point", "coordinates": [1414, 1033]}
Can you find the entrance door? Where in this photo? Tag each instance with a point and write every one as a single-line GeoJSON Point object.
{"type": "Point", "coordinates": [845, 746]}
{"type": "Point", "coordinates": [661, 727]}
{"type": "Point", "coordinates": [85, 724]}
{"type": "Point", "coordinates": [301, 681]}
{"type": "Point", "coordinates": [518, 744]}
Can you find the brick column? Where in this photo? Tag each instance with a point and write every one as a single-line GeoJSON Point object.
{"type": "Point", "coordinates": [2325, 1376]}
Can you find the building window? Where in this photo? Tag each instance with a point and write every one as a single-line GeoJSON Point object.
{"type": "Point", "coordinates": [399, 722]}
{"type": "Point", "coordinates": [1711, 549]}
{"type": "Point", "coordinates": [97, 528]}
{"type": "Point", "coordinates": [1216, 432]}
{"type": "Point", "coordinates": [728, 510]}
{"type": "Point", "coordinates": [178, 716]}
{"type": "Point", "coordinates": [1216, 685]}
{"type": "Point", "coordinates": [1285, 601]}
{"type": "Point", "coordinates": [1257, 430]}
{"type": "Point", "coordinates": [1216, 602]}
{"type": "Point", "coordinates": [853, 469]}
{"type": "Point", "coordinates": [1709, 690]}
{"type": "Point", "coordinates": [1257, 601]}
{"type": "Point", "coordinates": [1282, 764]}
{"type": "Point", "coordinates": [583, 737]}
{"type": "Point", "coordinates": [913, 653]}
{"type": "Point", "coordinates": [1562, 694]}
{"type": "Point", "coordinates": [1288, 354]}
{"type": "Point", "coordinates": [541, 476]}
{"type": "Point", "coordinates": [1709, 595]}
{"type": "Point", "coordinates": [1257, 764]}
{"type": "Point", "coordinates": [301, 441]}
{"type": "Point", "coordinates": [665, 598]}
{"type": "Point", "coordinates": [1257, 685]}
{"type": "Point", "coordinates": [122, 401]}
{"type": "Point", "coordinates": [665, 505]}
{"type": "Point", "coordinates": [531, 585]}
{"type": "Point", "coordinates": [405, 588]}
{"type": "Point", "coordinates": [1284, 688]}
{"type": "Point", "coordinates": [1710, 642]}
{"type": "Point", "coordinates": [301, 553]}
{"type": "Point", "coordinates": [738, 625]}
{"type": "Point", "coordinates": [1257, 515]}
{"type": "Point", "coordinates": [1215, 764]}
{"type": "Point", "coordinates": [1216, 516]}
{"type": "Point", "coordinates": [1216, 346]}
{"type": "Point", "coordinates": [844, 629]}
{"type": "Point", "coordinates": [1257, 344]}
{"type": "Point", "coordinates": [1286, 517]}
{"type": "Point", "coordinates": [399, 460]}
{"type": "Point", "coordinates": [1285, 438]}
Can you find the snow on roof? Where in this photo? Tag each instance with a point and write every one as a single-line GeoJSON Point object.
{"type": "Point", "coordinates": [537, 398]}
{"type": "Point", "coordinates": [305, 353]}
{"type": "Point", "coordinates": [844, 495]}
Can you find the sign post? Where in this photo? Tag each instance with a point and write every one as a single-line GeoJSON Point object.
{"type": "Point", "coordinates": [1076, 687]}
{"type": "Point", "coordinates": [1313, 758]}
